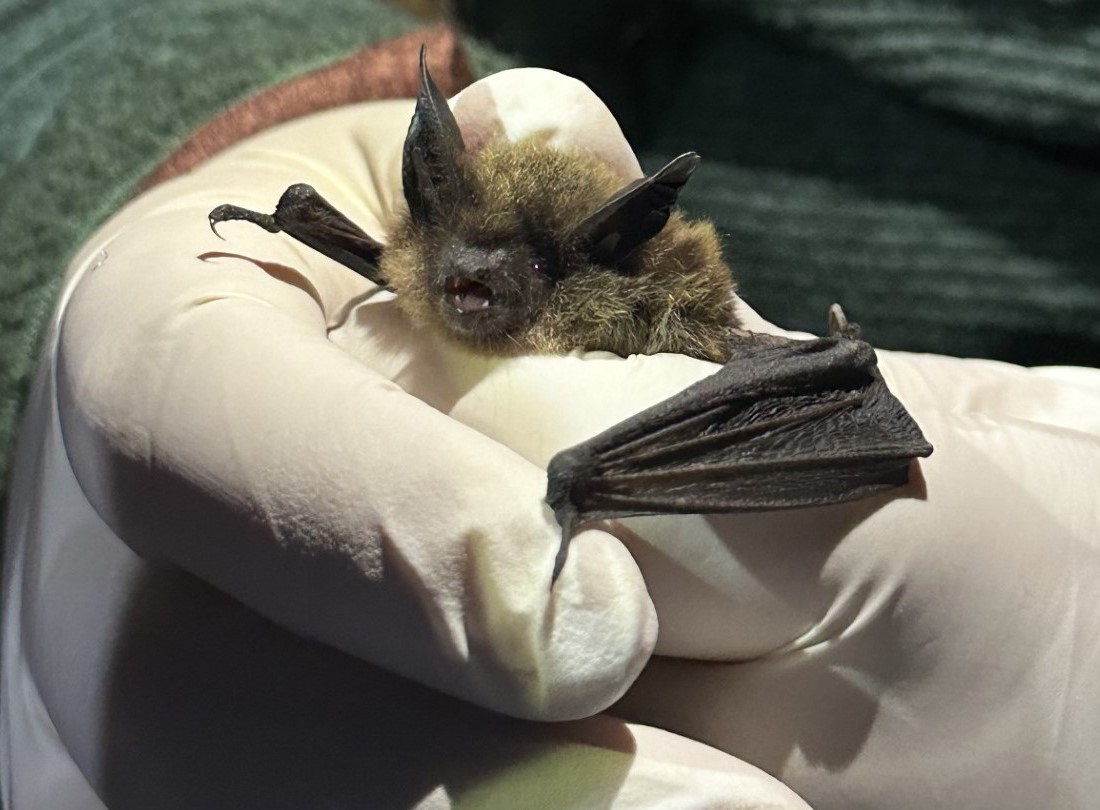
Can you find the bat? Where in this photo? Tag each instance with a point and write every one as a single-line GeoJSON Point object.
{"type": "Point", "coordinates": [526, 248]}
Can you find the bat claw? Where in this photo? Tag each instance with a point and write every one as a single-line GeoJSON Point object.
{"type": "Point", "coordinates": [214, 225]}
{"type": "Point", "coordinates": [234, 212]}
{"type": "Point", "coordinates": [839, 325]}
{"type": "Point", "coordinates": [559, 559]}
{"type": "Point", "coordinates": [566, 520]}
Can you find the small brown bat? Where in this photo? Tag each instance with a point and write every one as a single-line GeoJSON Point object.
{"type": "Point", "coordinates": [546, 257]}
{"type": "Point", "coordinates": [524, 248]}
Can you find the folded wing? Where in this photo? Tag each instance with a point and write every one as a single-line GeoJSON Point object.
{"type": "Point", "coordinates": [785, 424]}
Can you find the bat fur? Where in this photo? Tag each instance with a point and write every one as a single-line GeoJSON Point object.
{"type": "Point", "coordinates": [494, 252]}
{"type": "Point", "coordinates": [675, 294]}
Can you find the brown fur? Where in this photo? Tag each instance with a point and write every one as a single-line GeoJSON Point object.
{"type": "Point", "coordinates": [674, 295]}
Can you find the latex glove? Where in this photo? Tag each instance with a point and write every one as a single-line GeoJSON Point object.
{"type": "Point", "coordinates": [127, 685]}
{"type": "Point", "coordinates": [880, 644]}
{"type": "Point", "coordinates": [937, 651]}
{"type": "Point", "coordinates": [304, 482]}
{"type": "Point", "coordinates": [214, 422]}
{"type": "Point", "coordinates": [230, 349]}
{"type": "Point", "coordinates": [932, 647]}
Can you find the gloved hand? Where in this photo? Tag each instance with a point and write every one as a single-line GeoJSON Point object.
{"type": "Point", "coordinates": [937, 650]}
{"type": "Point", "coordinates": [373, 487]}
{"type": "Point", "coordinates": [223, 412]}
{"type": "Point", "coordinates": [215, 376]}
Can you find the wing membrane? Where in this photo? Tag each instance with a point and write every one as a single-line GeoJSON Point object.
{"type": "Point", "coordinates": [786, 425]}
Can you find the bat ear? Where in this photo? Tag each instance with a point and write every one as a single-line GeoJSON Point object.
{"type": "Point", "coordinates": [635, 213]}
{"type": "Point", "coordinates": [430, 173]}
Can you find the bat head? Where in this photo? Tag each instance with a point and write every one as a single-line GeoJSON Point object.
{"type": "Point", "coordinates": [485, 288]}
{"type": "Point", "coordinates": [494, 242]}
{"type": "Point", "coordinates": [529, 246]}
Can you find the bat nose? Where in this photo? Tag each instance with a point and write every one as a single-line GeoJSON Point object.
{"type": "Point", "coordinates": [472, 273]}
{"type": "Point", "coordinates": [475, 265]}
{"type": "Point", "coordinates": [479, 262]}
{"type": "Point", "coordinates": [482, 274]}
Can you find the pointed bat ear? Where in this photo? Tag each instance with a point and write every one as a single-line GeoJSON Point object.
{"type": "Point", "coordinates": [430, 173]}
{"type": "Point", "coordinates": [635, 213]}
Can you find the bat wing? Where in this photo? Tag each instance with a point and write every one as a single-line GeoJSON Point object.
{"type": "Point", "coordinates": [785, 424]}
{"type": "Point", "coordinates": [308, 217]}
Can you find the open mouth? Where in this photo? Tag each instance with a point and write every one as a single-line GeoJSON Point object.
{"type": "Point", "coordinates": [467, 295]}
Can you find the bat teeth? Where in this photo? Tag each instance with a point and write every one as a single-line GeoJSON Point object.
{"type": "Point", "coordinates": [469, 303]}
{"type": "Point", "coordinates": [467, 295]}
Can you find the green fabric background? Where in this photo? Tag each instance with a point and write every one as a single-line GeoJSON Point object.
{"type": "Point", "coordinates": [933, 166]}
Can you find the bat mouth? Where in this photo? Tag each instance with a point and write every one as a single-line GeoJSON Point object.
{"type": "Point", "coordinates": [467, 296]}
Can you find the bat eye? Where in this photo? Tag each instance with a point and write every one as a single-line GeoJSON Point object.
{"type": "Point", "coordinates": [542, 267]}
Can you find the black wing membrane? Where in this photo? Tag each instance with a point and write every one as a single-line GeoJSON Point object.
{"type": "Point", "coordinates": [308, 217]}
{"type": "Point", "coordinates": [785, 424]}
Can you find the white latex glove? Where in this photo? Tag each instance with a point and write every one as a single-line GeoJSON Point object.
{"type": "Point", "coordinates": [198, 403]}
{"type": "Point", "coordinates": [929, 648]}
{"type": "Point", "coordinates": [350, 511]}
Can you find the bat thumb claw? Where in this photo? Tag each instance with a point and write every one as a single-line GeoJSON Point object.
{"type": "Point", "coordinates": [226, 212]}
{"type": "Point", "coordinates": [559, 563]}
{"type": "Point", "coordinates": [566, 522]}
{"type": "Point", "coordinates": [837, 319]}
{"type": "Point", "coordinates": [839, 325]}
